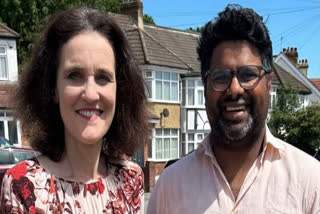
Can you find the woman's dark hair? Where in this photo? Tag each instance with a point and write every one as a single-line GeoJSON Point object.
{"type": "Point", "coordinates": [235, 24]}
{"type": "Point", "coordinates": [33, 99]}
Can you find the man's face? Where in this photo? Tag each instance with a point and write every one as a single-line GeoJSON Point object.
{"type": "Point", "coordinates": [237, 114]}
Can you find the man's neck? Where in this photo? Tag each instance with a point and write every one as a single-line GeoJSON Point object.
{"type": "Point", "coordinates": [235, 161]}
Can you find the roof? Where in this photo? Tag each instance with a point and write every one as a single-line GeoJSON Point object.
{"type": "Point", "coordinates": [5, 91]}
{"type": "Point", "coordinates": [7, 32]}
{"type": "Point", "coordinates": [316, 82]}
{"type": "Point", "coordinates": [161, 46]}
{"type": "Point", "coordinates": [286, 79]}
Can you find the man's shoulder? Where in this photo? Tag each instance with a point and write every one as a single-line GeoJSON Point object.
{"type": "Point", "coordinates": [297, 158]}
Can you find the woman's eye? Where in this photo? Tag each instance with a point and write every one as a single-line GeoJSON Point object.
{"type": "Point", "coordinates": [74, 75]}
{"type": "Point", "coordinates": [103, 79]}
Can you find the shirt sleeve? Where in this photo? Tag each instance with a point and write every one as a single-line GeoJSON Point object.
{"type": "Point", "coordinates": [157, 202]}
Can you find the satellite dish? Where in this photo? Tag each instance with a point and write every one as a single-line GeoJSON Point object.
{"type": "Point", "coordinates": [165, 112]}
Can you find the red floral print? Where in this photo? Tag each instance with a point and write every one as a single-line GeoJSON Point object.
{"type": "Point", "coordinates": [37, 191]}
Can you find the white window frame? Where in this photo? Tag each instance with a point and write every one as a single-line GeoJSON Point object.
{"type": "Point", "coordinates": [154, 139]}
{"type": "Point", "coordinates": [197, 87]}
{"type": "Point", "coordinates": [197, 139]}
{"type": "Point", "coordinates": [5, 118]}
{"type": "Point", "coordinates": [273, 97]}
{"type": "Point", "coordinates": [152, 79]}
{"type": "Point", "coordinates": [4, 55]}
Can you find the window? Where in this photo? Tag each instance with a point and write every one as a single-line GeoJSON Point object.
{"type": "Point", "coordinates": [8, 127]}
{"type": "Point", "coordinates": [166, 144]}
{"type": "Point", "coordinates": [162, 86]}
{"type": "Point", "coordinates": [193, 92]}
{"type": "Point", "coordinates": [3, 63]}
{"type": "Point", "coordinates": [191, 141]}
{"type": "Point", "coordinates": [272, 97]}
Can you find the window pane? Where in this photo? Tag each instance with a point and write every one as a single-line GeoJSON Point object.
{"type": "Point", "coordinates": [159, 132]}
{"type": "Point", "coordinates": [190, 137]}
{"type": "Point", "coordinates": [190, 96]}
{"type": "Point", "coordinates": [149, 89]}
{"type": "Point", "coordinates": [174, 132]}
{"type": "Point", "coordinates": [149, 74]}
{"type": "Point", "coordinates": [199, 83]}
{"type": "Point", "coordinates": [166, 90]}
{"type": "Point", "coordinates": [167, 148]}
{"type": "Point", "coordinates": [159, 149]}
{"type": "Point", "coordinates": [166, 132]}
{"type": "Point", "coordinates": [3, 67]}
{"type": "Point", "coordinates": [183, 149]}
{"type": "Point", "coordinates": [158, 75]}
{"type": "Point", "coordinates": [1, 128]}
{"type": "Point", "coordinates": [183, 137]}
{"type": "Point", "coordinates": [200, 137]}
{"type": "Point", "coordinates": [190, 83]}
{"type": "Point", "coordinates": [150, 148]}
{"type": "Point", "coordinates": [158, 90]}
{"type": "Point", "coordinates": [174, 91]}
{"type": "Point", "coordinates": [190, 147]}
{"type": "Point", "coordinates": [200, 97]}
{"type": "Point", "coordinates": [184, 96]}
{"type": "Point", "coordinates": [4, 157]}
{"type": "Point", "coordinates": [165, 75]}
{"type": "Point", "coordinates": [13, 132]}
{"type": "Point", "coordinates": [174, 76]}
{"type": "Point", "coordinates": [174, 148]}
{"type": "Point", "coordinates": [2, 50]}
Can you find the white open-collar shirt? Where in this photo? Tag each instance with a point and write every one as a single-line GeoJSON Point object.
{"type": "Point", "coordinates": [283, 179]}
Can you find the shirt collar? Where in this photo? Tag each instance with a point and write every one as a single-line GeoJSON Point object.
{"type": "Point", "coordinates": [206, 149]}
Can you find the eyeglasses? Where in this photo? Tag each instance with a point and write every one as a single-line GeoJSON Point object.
{"type": "Point", "coordinates": [248, 76]}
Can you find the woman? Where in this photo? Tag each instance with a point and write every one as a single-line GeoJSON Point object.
{"type": "Point", "coordinates": [81, 103]}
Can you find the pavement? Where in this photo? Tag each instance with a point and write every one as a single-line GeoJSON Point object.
{"type": "Point", "coordinates": [146, 200]}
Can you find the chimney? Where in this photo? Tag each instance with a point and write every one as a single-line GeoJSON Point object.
{"type": "Point", "coordinates": [303, 67]}
{"type": "Point", "coordinates": [133, 8]}
{"type": "Point", "coordinates": [292, 54]}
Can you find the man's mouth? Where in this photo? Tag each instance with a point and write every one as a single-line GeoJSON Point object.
{"type": "Point", "coordinates": [235, 108]}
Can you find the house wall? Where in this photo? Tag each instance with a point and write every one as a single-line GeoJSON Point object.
{"type": "Point", "coordinates": [173, 120]}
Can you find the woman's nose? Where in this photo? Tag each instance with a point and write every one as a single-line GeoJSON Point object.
{"type": "Point", "coordinates": [90, 92]}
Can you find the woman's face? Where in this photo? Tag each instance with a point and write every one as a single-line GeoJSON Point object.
{"type": "Point", "coordinates": [86, 87]}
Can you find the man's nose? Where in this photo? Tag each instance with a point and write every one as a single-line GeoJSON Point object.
{"type": "Point", "coordinates": [235, 88]}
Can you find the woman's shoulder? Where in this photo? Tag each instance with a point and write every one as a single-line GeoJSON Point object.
{"type": "Point", "coordinates": [23, 169]}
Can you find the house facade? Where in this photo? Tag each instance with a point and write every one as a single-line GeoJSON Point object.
{"type": "Point", "coordinates": [8, 76]}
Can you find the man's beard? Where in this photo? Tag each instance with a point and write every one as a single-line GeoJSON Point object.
{"type": "Point", "coordinates": [235, 130]}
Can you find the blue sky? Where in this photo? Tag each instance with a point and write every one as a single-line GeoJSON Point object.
{"type": "Point", "coordinates": [291, 23]}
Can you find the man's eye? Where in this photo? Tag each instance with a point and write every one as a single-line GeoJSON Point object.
{"type": "Point", "coordinates": [220, 78]}
{"type": "Point", "coordinates": [247, 76]}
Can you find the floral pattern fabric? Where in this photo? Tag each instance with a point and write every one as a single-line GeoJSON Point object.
{"type": "Point", "coordinates": [29, 188]}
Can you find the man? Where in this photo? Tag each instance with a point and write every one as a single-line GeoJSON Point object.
{"type": "Point", "coordinates": [240, 167]}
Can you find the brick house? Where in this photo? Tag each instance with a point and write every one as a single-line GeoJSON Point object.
{"type": "Point", "coordinates": [8, 76]}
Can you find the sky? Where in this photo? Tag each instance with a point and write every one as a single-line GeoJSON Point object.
{"type": "Point", "coordinates": [291, 23]}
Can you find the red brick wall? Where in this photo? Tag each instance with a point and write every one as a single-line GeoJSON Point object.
{"type": "Point", "coordinates": [151, 170]}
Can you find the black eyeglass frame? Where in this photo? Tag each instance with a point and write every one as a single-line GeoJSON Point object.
{"type": "Point", "coordinates": [235, 73]}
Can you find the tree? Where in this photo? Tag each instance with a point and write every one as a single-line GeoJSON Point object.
{"type": "Point", "coordinates": [28, 17]}
{"type": "Point", "coordinates": [197, 29]}
{"type": "Point", "coordinates": [294, 124]}
{"type": "Point", "coordinates": [148, 19]}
